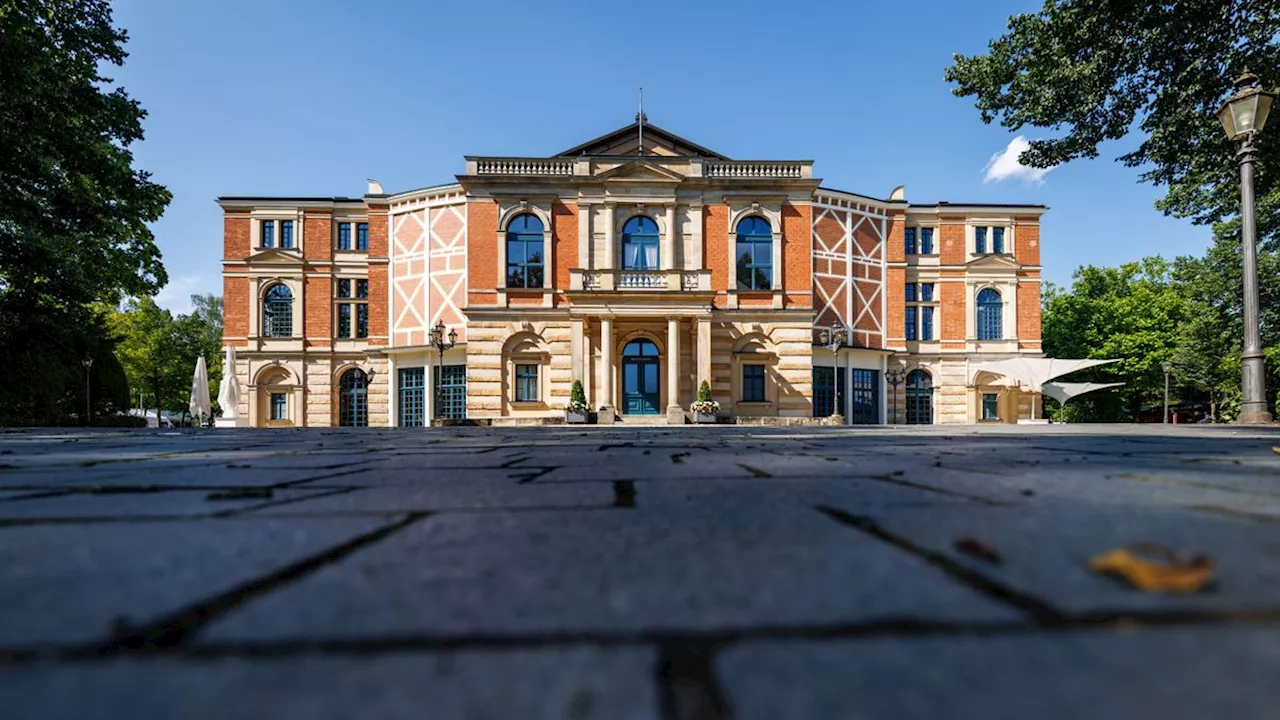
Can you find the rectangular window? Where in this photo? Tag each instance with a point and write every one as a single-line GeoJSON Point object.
{"type": "Point", "coordinates": [362, 288]}
{"type": "Point", "coordinates": [279, 407]}
{"type": "Point", "coordinates": [911, 292]}
{"type": "Point", "coordinates": [926, 323]}
{"type": "Point", "coordinates": [824, 391]}
{"type": "Point", "coordinates": [990, 406]}
{"type": "Point", "coordinates": [865, 398]}
{"type": "Point", "coordinates": [344, 320]}
{"type": "Point", "coordinates": [911, 241]}
{"type": "Point", "coordinates": [344, 288]}
{"type": "Point", "coordinates": [411, 406]}
{"type": "Point", "coordinates": [926, 292]}
{"type": "Point", "coordinates": [268, 233]}
{"type": "Point", "coordinates": [980, 239]}
{"type": "Point", "coordinates": [752, 383]}
{"type": "Point", "coordinates": [286, 233]}
{"type": "Point", "coordinates": [527, 383]}
{"type": "Point", "coordinates": [362, 320]}
{"type": "Point", "coordinates": [362, 236]}
{"type": "Point", "coordinates": [997, 240]}
{"type": "Point", "coordinates": [926, 241]}
{"type": "Point", "coordinates": [344, 236]}
{"type": "Point", "coordinates": [452, 388]}
{"type": "Point", "coordinates": [911, 323]}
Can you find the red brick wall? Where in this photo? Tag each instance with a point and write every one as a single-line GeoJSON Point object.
{"type": "Point", "coordinates": [235, 308]}
{"type": "Point", "coordinates": [1029, 311]}
{"type": "Point", "coordinates": [895, 287]}
{"type": "Point", "coordinates": [895, 250]}
{"type": "Point", "coordinates": [482, 252]}
{"type": "Point", "coordinates": [954, 315]}
{"type": "Point", "coordinates": [235, 238]}
{"type": "Point", "coordinates": [379, 320]}
{"type": "Point", "coordinates": [317, 235]}
{"type": "Point", "coordinates": [797, 255]}
{"type": "Point", "coordinates": [564, 241]}
{"type": "Point", "coordinates": [952, 250]}
{"type": "Point", "coordinates": [318, 314]}
{"type": "Point", "coordinates": [715, 248]}
{"type": "Point", "coordinates": [1027, 241]}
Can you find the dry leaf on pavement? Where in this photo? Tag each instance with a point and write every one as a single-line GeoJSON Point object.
{"type": "Point", "coordinates": [978, 549]}
{"type": "Point", "coordinates": [1151, 567]}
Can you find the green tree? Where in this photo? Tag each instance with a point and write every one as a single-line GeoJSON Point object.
{"type": "Point", "coordinates": [74, 212]}
{"type": "Point", "coordinates": [197, 334]}
{"type": "Point", "coordinates": [151, 351]}
{"type": "Point", "coordinates": [1133, 314]}
{"type": "Point", "coordinates": [1099, 70]}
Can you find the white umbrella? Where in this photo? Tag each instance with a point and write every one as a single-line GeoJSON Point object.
{"type": "Point", "coordinates": [200, 406]}
{"type": "Point", "coordinates": [229, 390]}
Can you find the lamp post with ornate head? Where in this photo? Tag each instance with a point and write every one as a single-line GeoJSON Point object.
{"type": "Point", "coordinates": [1243, 116]}
{"type": "Point", "coordinates": [896, 375]}
{"type": "Point", "coordinates": [438, 340]}
{"type": "Point", "coordinates": [835, 338]}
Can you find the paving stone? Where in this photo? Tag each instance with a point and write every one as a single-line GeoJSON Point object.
{"type": "Point", "coordinates": [144, 504]}
{"type": "Point", "coordinates": [727, 565]}
{"type": "Point", "coordinates": [1046, 551]}
{"type": "Point", "coordinates": [1191, 673]}
{"type": "Point", "coordinates": [569, 683]}
{"type": "Point", "coordinates": [69, 583]}
{"type": "Point", "coordinates": [472, 494]}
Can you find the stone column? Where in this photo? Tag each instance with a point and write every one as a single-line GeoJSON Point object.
{"type": "Point", "coordinates": [675, 413]}
{"type": "Point", "coordinates": [575, 345]}
{"type": "Point", "coordinates": [704, 353]}
{"type": "Point", "coordinates": [669, 240]}
{"type": "Point", "coordinates": [605, 400]}
{"type": "Point", "coordinates": [610, 252]}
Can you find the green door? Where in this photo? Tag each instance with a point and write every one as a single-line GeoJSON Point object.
{"type": "Point", "coordinates": [640, 373]}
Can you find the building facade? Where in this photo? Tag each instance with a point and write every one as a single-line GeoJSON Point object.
{"type": "Point", "coordinates": [640, 264]}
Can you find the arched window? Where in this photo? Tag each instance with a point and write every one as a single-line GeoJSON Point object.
{"type": "Point", "coordinates": [919, 398]}
{"type": "Point", "coordinates": [640, 244]}
{"type": "Point", "coordinates": [353, 399]}
{"type": "Point", "coordinates": [524, 252]}
{"type": "Point", "coordinates": [990, 310]}
{"type": "Point", "coordinates": [755, 254]}
{"type": "Point", "coordinates": [277, 312]}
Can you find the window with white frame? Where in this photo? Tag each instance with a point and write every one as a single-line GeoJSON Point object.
{"type": "Point", "coordinates": [920, 313]}
{"type": "Point", "coordinates": [989, 239]}
{"type": "Point", "coordinates": [353, 235]}
{"type": "Point", "coordinates": [919, 241]}
{"type": "Point", "coordinates": [277, 311]}
{"type": "Point", "coordinates": [351, 302]}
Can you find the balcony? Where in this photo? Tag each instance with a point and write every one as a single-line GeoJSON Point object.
{"type": "Point", "coordinates": [518, 167]}
{"type": "Point", "coordinates": [639, 280]}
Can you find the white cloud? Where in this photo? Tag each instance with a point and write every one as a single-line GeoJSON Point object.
{"type": "Point", "coordinates": [176, 295]}
{"type": "Point", "coordinates": [1004, 165]}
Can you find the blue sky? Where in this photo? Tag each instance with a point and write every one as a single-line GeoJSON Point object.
{"type": "Point", "coordinates": [276, 98]}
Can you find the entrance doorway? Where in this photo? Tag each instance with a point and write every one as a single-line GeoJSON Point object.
{"type": "Point", "coordinates": [640, 373]}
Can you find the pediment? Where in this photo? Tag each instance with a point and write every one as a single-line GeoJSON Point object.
{"type": "Point", "coordinates": [641, 171]}
{"type": "Point", "coordinates": [626, 141]}
{"type": "Point", "coordinates": [993, 262]}
{"type": "Point", "coordinates": [273, 256]}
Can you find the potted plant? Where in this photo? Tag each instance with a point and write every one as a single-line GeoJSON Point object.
{"type": "Point", "coordinates": [575, 411]}
{"type": "Point", "coordinates": [704, 408]}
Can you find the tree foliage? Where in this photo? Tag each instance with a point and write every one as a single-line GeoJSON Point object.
{"type": "Point", "coordinates": [74, 212]}
{"type": "Point", "coordinates": [1094, 71]}
{"type": "Point", "coordinates": [159, 351]}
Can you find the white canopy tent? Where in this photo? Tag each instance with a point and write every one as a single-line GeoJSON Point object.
{"type": "Point", "coordinates": [1031, 373]}
{"type": "Point", "coordinates": [229, 392]}
{"type": "Point", "coordinates": [199, 403]}
{"type": "Point", "coordinates": [1062, 392]}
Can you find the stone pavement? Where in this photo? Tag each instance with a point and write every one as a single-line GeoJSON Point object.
{"type": "Point", "coordinates": [678, 573]}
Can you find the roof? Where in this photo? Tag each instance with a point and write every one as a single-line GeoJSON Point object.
{"type": "Point", "coordinates": [608, 143]}
{"type": "Point", "coordinates": [273, 198]}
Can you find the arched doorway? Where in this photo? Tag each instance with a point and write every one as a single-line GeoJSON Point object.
{"type": "Point", "coordinates": [919, 398]}
{"type": "Point", "coordinates": [640, 374]}
{"type": "Point", "coordinates": [353, 399]}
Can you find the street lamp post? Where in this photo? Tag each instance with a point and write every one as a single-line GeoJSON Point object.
{"type": "Point", "coordinates": [438, 340]}
{"type": "Point", "coordinates": [834, 338]}
{"type": "Point", "coordinates": [87, 362]}
{"type": "Point", "coordinates": [1243, 116]}
{"type": "Point", "coordinates": [1168, 368]}
{"type": "Point", "coordinates": [896, 375]}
